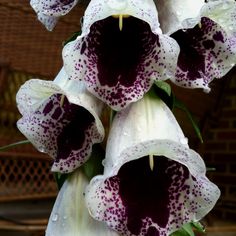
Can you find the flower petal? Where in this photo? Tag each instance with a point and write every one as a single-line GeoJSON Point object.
{"type": "Point", "coordinates": [154, 201]}
{"type": "Point", "coordinates": [49, 11]}
{"type": "Point", "coordinates": [66, 123]}
{"type": "Point", "coordinates": [100, 9]}
{"type": "Point", "coordinates": [119, 66]}
{"type": "Point", "coordinates": [206, 53]}
{"type": "Point", "coordinates": [178, 14]}
{"type": "Point", "coordinates": [70, 216]}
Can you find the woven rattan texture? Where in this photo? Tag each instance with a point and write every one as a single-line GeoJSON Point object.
{"type": "Point", "coordinates": [24, 172]}
{"type": "Point", "coordinates": [25, 178]}
{"type": "Point", "coordinates": [26, 45]}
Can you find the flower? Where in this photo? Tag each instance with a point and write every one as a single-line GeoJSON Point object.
{"type": "Point", "coordinates": [121, 51]}
{"type": "Point", "coordinates": [152, 182]}
{"type": "Point", "coordinates": [205, 32]}
{"type": "Point", "coordinates": [49, 11]}
{"type": "Point", "coordinates": [60, 118]}
{"type": "Point", "coordinates": [69, 216]}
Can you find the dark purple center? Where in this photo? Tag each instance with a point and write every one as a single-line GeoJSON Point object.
{"type": "Point", "coordinates": [196, 47]}
{"type": "Point", "coordinates": [119, 52]}
{"type": "Point", "coordinates": [77, 121]}
{"type": "Point", "coordinates": [146, 193]}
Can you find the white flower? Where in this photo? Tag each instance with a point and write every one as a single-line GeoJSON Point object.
{"type": "Point", "coordinates": [206, 34]}
{"type": "Point", "coordinates": [60, 118]}
{"type": "Point", "coordinates": [121, 51]}
{"type": "Point", "coordinates": [70, 216]}
{"type": "Point", "coordinates": [49, 11]}
{"type": "Point", "coordinates": [152, 182]}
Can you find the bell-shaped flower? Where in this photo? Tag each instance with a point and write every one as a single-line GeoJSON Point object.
{"type": "Point", "coordinates": [121, 51]}
{"type": "Point", "coordinates": [152, 182]}
{"type": "Point", "coordinates": [60, 118]}
{"type": "Point", "coordinates": [49, 11]}
{"type": "Point", "coordinates": [70, 216]}
{"type": "Point", "coordinates": [205, 32]}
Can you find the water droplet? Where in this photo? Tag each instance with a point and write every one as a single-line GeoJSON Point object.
{"type": "Point", "coordinates": [64, 217]}
{"type": "Point", "coordinates": [54, 217]}
{"type": "Point", "coordinates": [184, 141]}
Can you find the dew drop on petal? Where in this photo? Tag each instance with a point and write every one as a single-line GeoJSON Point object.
{"type": "Point", "coordinates": [54, 217]}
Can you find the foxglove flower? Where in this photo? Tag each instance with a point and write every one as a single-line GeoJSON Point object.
{"type": "Point", "coordinates": [205, 33]}
{"type": "Point", "coordinates": [152, 182]}
{"type": "Point", "coordinates": [60, 118]}
{"type": "Point", "coordinates": [70, 216]}
{"type": "Point", "coordinates": [121, 51]}
{"type": "Point", "coordinates": [49, 11]}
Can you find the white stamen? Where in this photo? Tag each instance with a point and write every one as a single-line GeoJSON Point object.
{"type": "Point", "coordinates": [120, 22]}
{"type": "Point", "coordinates": [62, 100]}
{"type": "Point", "coordinates": [151, 162]}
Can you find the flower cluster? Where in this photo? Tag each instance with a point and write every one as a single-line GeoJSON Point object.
{"type": "Point", "coordinates": [152, 182]}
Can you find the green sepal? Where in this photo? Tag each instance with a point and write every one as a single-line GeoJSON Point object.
{"type": "Point", "coordinates": [72, 38]}
{"type": "Point", "coordinates": [198, 227]}
{"type": "Point", "coordinates": [180, 105]}
{"type": "Point", "coordinates": [94, 165]}
{"type": "Point", "coordinates": [3, 148]}
{"type": "Point", "coordinates": [163, 91]}
{"type": "Point", "coordinates": [60, 179]}
{"type": "Point", "coordinates": [164, 86]}
{"type": "Point", "coordinates": [186, 230]}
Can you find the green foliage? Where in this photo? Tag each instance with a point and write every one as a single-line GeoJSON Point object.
{"type": "Point", "coordinates": [163, 91]}
{"type": "Point", "coordinates": [60, 179]}
{"type": "Point", "coordinates": [14, 145]}
{"type": "Point", "coordinates": [94, 165]}
{"type": "Point", "coordinates": [188, 229]}
{"type": "Point", "coordinates": [72, 38]}
{"type": "Point", "coordinates": [180, 105]}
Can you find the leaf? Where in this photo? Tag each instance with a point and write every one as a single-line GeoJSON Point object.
{"type": "Point", "coordinates": [14, 144]}
{"type": "Point", "coordinates": [164, 86]}
{"type": "Point", "coordinates": [181, 105]}
{"type": "Point", "coordinates": [163, 91]}
{"type": "Point", "coordinates": [198, 227]}
{"type": "Point", "coordinates": [94, 165]}
{"type": "Point", "coordinates": [186, 230]}
{"type": "Point", "coordinates": [60, 179]}
{"type": "Point", "coordinates": [72, 38]}
{"type": "Point", "coordinates": [180, 232]}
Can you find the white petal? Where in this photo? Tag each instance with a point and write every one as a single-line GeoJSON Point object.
{"type": "Point", "coordinates": [49, 11]}
{"type": "Point", "coordinates": [178, 14]}
{"type": "Point", "coordinates": [146, 120]}
{"type": "Point", "coordinates": [101, 9]}
{"type": "Point", "coordinates": [223, 12]}
{"type": "Point", "coordinates": [70, 216]}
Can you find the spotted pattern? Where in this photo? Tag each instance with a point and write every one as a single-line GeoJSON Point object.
{"type": "Point", "coordinates": [48, 11]}
{"type": "Point", "coordinates": [64, 131]}
{"type": "Point", "coordinates": [205, 53]}
{"type": "Point", "coordinates": [120, 66]}
{"type": "Point", "coordinates": [154, 202]}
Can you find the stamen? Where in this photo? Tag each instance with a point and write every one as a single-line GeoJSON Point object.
{"type": "Point", "coordinates": [151, 162]}
{"type": "Point", "coordinates": [121, 19]}
{"type": "Point", "coordinates": [62, 100]}
{"type": "Point", "coordinates": [120, 22]}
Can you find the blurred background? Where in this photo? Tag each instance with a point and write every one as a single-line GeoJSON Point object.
{"type": "Point", "coordinates": [27, 187]}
